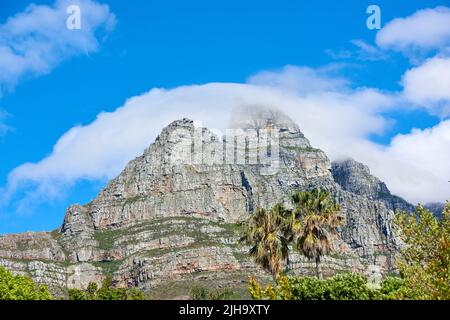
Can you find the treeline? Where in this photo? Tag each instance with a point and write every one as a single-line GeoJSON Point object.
{"type": "Point", "coordinates": [347, 286]}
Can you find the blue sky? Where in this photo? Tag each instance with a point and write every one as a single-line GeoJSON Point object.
{"type": "Point", "coordinates": [167, 44]}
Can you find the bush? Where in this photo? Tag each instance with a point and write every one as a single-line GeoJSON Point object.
{"type": "Point", "coordinates": [77, 294]}
{"type": "Point", "coordinates": [304, 288]}
{"type": "Point", "coordinates": [106, 292]}
{"type": "Point", "coordinates": [21, 288]}
{"type": "Point", "coordinates": [349, 286]}
{"type": "Point", "coordinates": [392, 288]}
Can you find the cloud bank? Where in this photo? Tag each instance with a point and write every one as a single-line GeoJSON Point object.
{"type": "Point", "coordinates": [336, 118]}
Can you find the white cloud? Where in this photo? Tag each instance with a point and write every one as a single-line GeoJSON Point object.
{"type": "Point", "coordinates": [361, 51]}
{"type": "Point", "coordinates": [422, 31]}
{"type": "Point", "coordinates": [428, 85]}
{"type": "Point", "coordinates": [414, 165]}
{"type": "Point", "coordinates": [302, 79]}
{"type": "Point", "coordinates": [425, 32]}
{"type": "Point", "coordinates": [34, 41]}
{"type": "Point", "coordinates": [367, 52]}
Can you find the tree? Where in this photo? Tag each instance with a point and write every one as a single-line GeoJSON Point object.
{"type": "Point", "coordinates": [269, 245]}
{"type": "Point", "coordinates": [319, 217]}
{"type": "Point", "coordinates": [424, 260]}
{"type": "Point", "coordinates": [21, 288]}
{"type": "Point", "coordinates": [312, 224]}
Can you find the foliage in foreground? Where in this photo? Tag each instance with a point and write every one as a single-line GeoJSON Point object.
{"type": "Point", "coordinates": [319, 217]}
{"type": "Point", "coordinates": [21, 288]}
{"type": "Point", "coordinates": [105, 292]}
{"type": "Point", "coordinates": [269, 243]}
{"type": "Point", "coordinates": [202, 293]}
{"type": "Point", "coordinates": [348, 286]}
{"type": "Point", "coordinates": [424, 261]}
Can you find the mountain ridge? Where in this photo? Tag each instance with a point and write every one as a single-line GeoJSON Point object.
{"type": "Point", "coordinates": [171, 216]}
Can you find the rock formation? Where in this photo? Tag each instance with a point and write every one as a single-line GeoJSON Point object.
{"type": "Point", "coordinates": [169, 220]}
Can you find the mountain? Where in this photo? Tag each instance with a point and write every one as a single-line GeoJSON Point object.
{"type": "Point", "coordinates": [170, 219]}
{"type": "Point", "coordinates": [355, 177]}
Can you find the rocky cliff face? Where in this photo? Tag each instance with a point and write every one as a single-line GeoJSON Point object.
{"type": "Point", "coordinates": [355, 177]}
{"type": "Point", "coordinates": [170, 218]}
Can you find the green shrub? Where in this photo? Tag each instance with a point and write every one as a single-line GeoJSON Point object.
{"type": "Point", "coordinates": [348, 286]}
{"type": "Point", "coordinates": [106, 292]}
{"type": "Point", "coordinates": [21, 288]}
{"type": "Point", "coordinates": [77, 294]}
{"type": "Point", "coordinates": [392, 288]}
{"type": "Point", "coordinates": [307, 288]}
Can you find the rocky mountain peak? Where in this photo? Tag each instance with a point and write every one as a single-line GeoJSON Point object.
{"type": "Point", "coordinates": [261, 117]}
{"type": "Point", "coordinates": [356, 178]}
{"type": "Point", "coordinates": [171, 214]}
{"type": "Point", "coordinates": [183, 123]}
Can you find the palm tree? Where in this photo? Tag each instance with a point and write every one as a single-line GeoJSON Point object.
{"type": "Point", "coordinates": [269, 245]}
{"type": "Point", "coordinates": [319, 217]}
